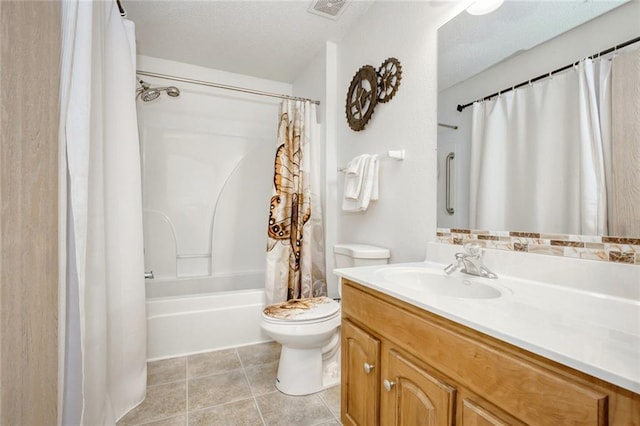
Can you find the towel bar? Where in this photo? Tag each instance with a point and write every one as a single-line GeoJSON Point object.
{"type": "Point", "coordinates": [395, 154]}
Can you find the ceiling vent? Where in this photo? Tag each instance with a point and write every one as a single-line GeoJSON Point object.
{"type": "Point", "coordinates": [331, 9]}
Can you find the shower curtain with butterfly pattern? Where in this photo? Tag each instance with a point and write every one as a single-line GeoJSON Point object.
{"type": "Point", "coordinates": [295, 246]}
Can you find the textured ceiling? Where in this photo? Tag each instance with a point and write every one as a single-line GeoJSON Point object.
{"type": "Point", "coordinates": [470, 44]}
{"type": "Point", "coordinates": [275, 40]}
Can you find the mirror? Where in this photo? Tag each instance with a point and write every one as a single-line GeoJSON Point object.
{"type": "Point", "coordinates": [481, 55]}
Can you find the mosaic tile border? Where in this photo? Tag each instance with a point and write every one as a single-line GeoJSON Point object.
{"type": "Point", "coordinates": [608, 249]}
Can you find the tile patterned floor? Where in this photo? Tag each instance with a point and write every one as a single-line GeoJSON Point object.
{"type": "Point", "coordinates": [228, 387]}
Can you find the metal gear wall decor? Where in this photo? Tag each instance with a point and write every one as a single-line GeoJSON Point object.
{"type": "Point", "coordinates": [368, 87]}
{"type": "Point", "coordinates": [389, 76]}
{"type": "Point", "coordinates": [362, 97]}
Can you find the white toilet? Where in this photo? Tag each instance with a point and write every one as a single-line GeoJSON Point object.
{"type": "Point", "coordinates": [309, 330]}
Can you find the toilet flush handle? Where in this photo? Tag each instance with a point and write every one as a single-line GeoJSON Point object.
{"type": "Point", "coordinates": [368, 367]}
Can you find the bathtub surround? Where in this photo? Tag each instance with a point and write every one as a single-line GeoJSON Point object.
{"type": "Point", "coordinates": [168, 287]}
{"type": "Point", "coordinates": [103, 290]}
{"type": "Point", "coordinates": [295, 247]}
{"type": "Point", "coordinates": [215, 147]}
{"type": "Point", "coordinates": [205, 232]}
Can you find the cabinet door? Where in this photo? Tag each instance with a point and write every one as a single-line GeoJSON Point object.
{"type": "Point", "coordinates": [473, 414]}
{"type": "Point", "coordinates": [412, 396]}
{"type": "Point", "coordinates": [360, 376]}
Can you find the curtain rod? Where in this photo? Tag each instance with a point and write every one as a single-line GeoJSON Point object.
{"type": "Point", "coordinates": [549, 74]}
{"type": "Point", "coordinates": [123, 12]}
{"type": "Point", "coordinates": [224, 86]}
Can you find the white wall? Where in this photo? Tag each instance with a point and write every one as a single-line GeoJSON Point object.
{"type": "Point", "coordinates": [404, 218]}
{"type": "Point", "coordinates": [207, 172]}
{"type": "Point", "coordinates": [617, 26]}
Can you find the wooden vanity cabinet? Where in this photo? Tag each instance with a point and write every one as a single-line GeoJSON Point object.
{"type": "Point", "coordinates": [402, 365]}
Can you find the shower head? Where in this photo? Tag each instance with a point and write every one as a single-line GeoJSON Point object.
{"type": "Point", "coordinates": [173, 91]}
{"type": "Point", "coordinates": [148, 93]}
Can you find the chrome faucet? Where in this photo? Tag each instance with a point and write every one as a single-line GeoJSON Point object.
{"type": "Point", "coordinates": [470, 262]}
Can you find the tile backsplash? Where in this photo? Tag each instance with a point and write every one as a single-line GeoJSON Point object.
{"type": "Point", "coordinates": [608, 249]}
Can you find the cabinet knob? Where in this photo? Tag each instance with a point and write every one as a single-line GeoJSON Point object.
{"type": "Point", "coordinates": [368, 367]}
{"type": "Point", "coordinates": [388, 384]}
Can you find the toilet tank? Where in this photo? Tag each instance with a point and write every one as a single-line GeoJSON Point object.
{"type": "Point", "coordinates": [349, 255]}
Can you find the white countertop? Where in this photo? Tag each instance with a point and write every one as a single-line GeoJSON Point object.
{"type": "Point", "coordinates": [594, 333]}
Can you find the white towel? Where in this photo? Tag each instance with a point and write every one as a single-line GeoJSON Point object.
{"type": "Point", "coordinates": [368, 187]}
{"type": "Point", "coordinates": [354, 174]}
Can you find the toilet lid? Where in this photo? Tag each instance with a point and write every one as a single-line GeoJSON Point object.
{"type": "Point", "coordinates": [314, 308]}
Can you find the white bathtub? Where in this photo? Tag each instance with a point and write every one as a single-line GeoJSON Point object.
{"type": "Point", "coordinates": [188, 316]}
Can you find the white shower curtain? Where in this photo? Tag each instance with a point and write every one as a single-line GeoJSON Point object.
{"type": "Point", "coordinates": [537, 161]}
{"type": "Point", "coordinates": [103, 339]}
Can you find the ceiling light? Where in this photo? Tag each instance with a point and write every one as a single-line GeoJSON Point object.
{"type": "Point", "coordinates": [482, 7]}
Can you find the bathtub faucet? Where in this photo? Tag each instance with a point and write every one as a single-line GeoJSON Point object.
{"type": "Point", "coordinates": [470, 263]}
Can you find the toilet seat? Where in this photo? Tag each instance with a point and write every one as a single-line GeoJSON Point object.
{"type": "Point", "coordinates": [302, 311]}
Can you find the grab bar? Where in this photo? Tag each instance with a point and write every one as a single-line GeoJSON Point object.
{"type": "Point", "coordinates": [449, 159]}
{"type": "Point", "coordinates": [148, 275]}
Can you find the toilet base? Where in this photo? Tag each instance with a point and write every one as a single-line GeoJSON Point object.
{"type": "Point", "coordinates": [303, 371]}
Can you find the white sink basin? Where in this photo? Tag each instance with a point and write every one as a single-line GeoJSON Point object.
{"type": "Point", "coordinates": [438, 283]}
